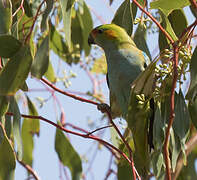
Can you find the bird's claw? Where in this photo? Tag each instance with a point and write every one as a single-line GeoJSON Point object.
{"type": "Point", "coordinates": [104, 107]}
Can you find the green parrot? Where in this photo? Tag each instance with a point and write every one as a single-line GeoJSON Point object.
{"type": "Point", "coordinates": [124, 64]}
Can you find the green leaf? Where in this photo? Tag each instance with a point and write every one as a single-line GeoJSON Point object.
{"type": "Point", "coordinates": [24, 87]}
{"type": "Point", "coordinates": [178, 21]}
{"type": "Point", "coordinates": [163, 43]}
{"type": "Point", "coordinates": [157, 162]}
{"type": "Point", "coordinates": [158, 129]}
{"type": "Point", "coordinates": [192, 92]}
{"type": "Point", "coordinates": [168, 6]}
{"type": "Point", "coordinates": [5, 16]}
{"type": "Point", "coordinates": [124, 17]}
{"type": "Point", "coordinates": [7, 158]}
{"type": "Point", "coordinates": [49, 7]}
{"type": "Point", "coordinates": [175, 147]}
{"type": "Point", "coordinates": [41, 60]}
{"type": "Point", "coordinates": [181, 122]}
{"type": "Point", "coordinates": [10, 46]}
{"type": "Point", "coordinates": [193, 112]}
{"type": "Point", "coordinates": [167, 26]}
{"type": "Point", "coordinates": [140, 39]}
{"type": "Point", "coordinates": [66, 7]}
{"type": "Point", "coordinates": [16, 126]}
{"type": "Point", "coordinates": [67, 155]}
{"type": "Point", "coordinates": [15, 72]}
{"type": "Point", "coordinates": [34, 123]}
{"type": "Point", "coordinates": [99, 66]}
{"type": "Point", "coordinates": [124, 170]}
{"type": "Point", "coordinates": [189, 172]}
{"type": "Point", "coordinates": [145, 81]}
{"type": "Point", "coordinates": [50, 74]}
{"type": "Point", "coordinates": [29, 128]}
{"type": "Point", "coordinates": [86, 24]}
{"type": "Point", "coordinates": [4, 104]}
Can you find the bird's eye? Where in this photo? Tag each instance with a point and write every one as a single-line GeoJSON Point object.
{"type": "Point", "coordinates": [100, 31]}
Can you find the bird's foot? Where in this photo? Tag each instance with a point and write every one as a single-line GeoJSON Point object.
{"type": "Point", "coordinates": [104, 108]}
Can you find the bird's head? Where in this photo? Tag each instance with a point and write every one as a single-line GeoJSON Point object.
{"type": "Point", "coordinates": [109, 36]}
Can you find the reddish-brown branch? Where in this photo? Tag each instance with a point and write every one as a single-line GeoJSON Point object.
{"type": "Point", "coordinates": [34, 21]}
{"type": "Point", "coordinates": [68, 94]}
{"type": "Point", "coordinates": [172, 113]}
{"type": "Point", "coordinates": [20, 7]}
{"type": "Point", "coordinates": [105, 143]}
{"type": "Point", "coordinates": [29, 169]}
{"type": "Point", "coordinates": [155, 21]}
{"type": "Point", "coordinates": [134, 171]}
{"type": "Point", "coordinates": [193, 3]}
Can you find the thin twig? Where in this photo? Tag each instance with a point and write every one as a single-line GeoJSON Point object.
{"type": "Point", "coordinates": [29, 169]}
{"type": "Point", "coordinates": [34, 21]}
{"type": "Point", "coordinates": [68, 94]}
{"type": "Point", "coordinates": [77, 134]}
{"type": "Point", "coordinates": [172, 113]}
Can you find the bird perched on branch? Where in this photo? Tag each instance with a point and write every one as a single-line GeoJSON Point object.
{"type": "Point", "coordinates": [125, 62]}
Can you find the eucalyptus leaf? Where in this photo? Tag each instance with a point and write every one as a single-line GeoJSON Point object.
{"type": "Point", "coordinates": [5, 16]}
{"type": "Point", "coordinates": [41, 60]}
{"type": "Point", "coordinates": [67, 155]}
{"type": "Point", "coordinates": [15, 72]}
{"type": "Point", "coordinates": [10, 46]}
{"type": "Point", "coordinates": [124, 16]}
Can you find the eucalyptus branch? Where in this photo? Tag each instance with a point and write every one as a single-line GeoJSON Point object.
{"type": "Point", "coordinates": [193, 3]}
{"type": "Point", "coordinates": [155, 21]}
{"type": "Point", "coordinates": [105, 143]}
{"type": "Point", "coordinates": [68, 94]}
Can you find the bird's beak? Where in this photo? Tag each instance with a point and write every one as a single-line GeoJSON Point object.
{"type": "Point", "coordinates": [91, 39]}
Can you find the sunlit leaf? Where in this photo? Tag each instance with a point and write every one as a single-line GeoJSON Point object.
{"type": "Point", "coordinates": [49, 6]}
{"type": "Point", "coordinates": [7, 157]}
{"type": "Point", "coordinates": [5, 16]}
{"type": "Point", "coordinates": [66, 6]}
{"type": "Point", "coordinates": [29, 128]}
{"type": "Point", "coordinates": [41, 60]}
{"type": "Point", "coordinates": [15, 71]}
{"type": "Point", "coordinates": [168, 5]}
{"type": "Point", "coordinates": [124, 16]}
{"type": "Point", "coordinates": [10, 46]}
{"type": "Point", "coordinates": [16, 126]}
{"type": "Point", "coordinates": [99, 66]}
{"type": "Point", "coordinates": [67, 155]}
{"type": "Point", "coordinates": [50, 74]}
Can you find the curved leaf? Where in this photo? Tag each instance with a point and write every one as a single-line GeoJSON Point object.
{"type": "Point", "coordinates": [66, 6]}
{"type": "Point", "coordinates": [7, 157]}
{"type": "Point", "coordinates": [124, 17]}
{"type": "Point", "coordinates": [15, 72]}
{"type": "Point", "coordinates": [9, 46]}
{"type": "Point", "coordinates": [168, 6]}
{"type": "Point", "coordinates": [5, 16]}
{"type": "Point", "coordinates": [4, 104]}
{"type": "Point", "coordinates": [41, 61]}
{"type": "Point", "coordinates": [16, 126]}
{"type": "Point", "coordinates": [178, 21]}
{"type": "Point", "coordinates": [67, 155]}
